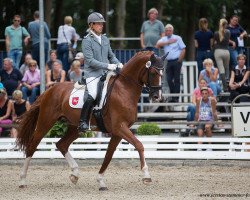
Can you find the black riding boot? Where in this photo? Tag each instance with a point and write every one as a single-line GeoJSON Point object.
{"type": "Point", "coordinates": [85, 114]}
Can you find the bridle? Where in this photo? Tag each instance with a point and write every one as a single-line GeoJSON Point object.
{"type": "Point", "coordinates": [149, 87]}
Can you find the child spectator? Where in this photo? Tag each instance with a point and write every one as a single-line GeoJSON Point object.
{"type": "Point", "coordinates": [31, 82]}
{"type": "Point", "coordinates": [238, 81]}
{"type": "Point", "coordinates": [192, 107]}
{"type": "Point", "coordinates": [205, 112]}
{"type": "Point", "coordinates": [76, 72]}
{"type": "Point", "coordinates": [19, 107]}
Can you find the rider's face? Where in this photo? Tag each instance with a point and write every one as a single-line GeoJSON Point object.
{"type": "Point", "coordinates": [97, 27]}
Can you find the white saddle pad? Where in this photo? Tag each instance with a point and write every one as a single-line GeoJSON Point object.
{"type": "Point", "coordinates": [76, 99]}
{"type": "Point", "coordinates": [77, 96]}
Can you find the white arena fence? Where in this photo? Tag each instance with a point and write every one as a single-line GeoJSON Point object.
{"type": "Point", "coordinates": [156, 147]}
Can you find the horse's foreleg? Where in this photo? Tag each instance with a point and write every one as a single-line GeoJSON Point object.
{"type": "Point", "coordinates": [23, 174]}
{"type": "Point", "coordinates": [129, 137]}
{"type": "Point", "coordinates": [114, 141]}
{"type": "Point", "coordinates": [63, 146]}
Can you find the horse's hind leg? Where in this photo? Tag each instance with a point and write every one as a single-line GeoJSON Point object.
{"type": "Point", "coordinates": [114, 141]}
{"type": "Point", "coordinates": [63, 146]}
{"type": "Point", "coordinates": [37, 137]}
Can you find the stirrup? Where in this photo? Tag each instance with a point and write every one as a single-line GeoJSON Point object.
{"type": "Point", "coordinates": [83, 126]}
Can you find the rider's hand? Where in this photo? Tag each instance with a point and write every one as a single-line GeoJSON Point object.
{"type": "Point", "coordinates": [112, 67]}
{"type": "Point", "coordinates": [120, 65]}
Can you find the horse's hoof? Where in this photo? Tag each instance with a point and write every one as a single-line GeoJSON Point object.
{"type": "Point", "coordinates": [73, 178]}
{"type": "Point", "coordinates": [103, 188]}
{"type": "Point", "coordinates": [147, 181]}
{"type": "Point", "coordinates": [22, 186]}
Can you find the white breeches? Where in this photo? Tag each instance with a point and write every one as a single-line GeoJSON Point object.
{"type": "Point", "coordinates": [92, 86]}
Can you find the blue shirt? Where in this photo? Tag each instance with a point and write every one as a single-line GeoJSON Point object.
{"type": "Point", "coordinates": [203, 39]}
{"type": "Point", "coordinates": [33, 29]}
{"type": "Point", "coordinates": [175, 48]}
{"type": "Point", "coordinates": [235, 33]}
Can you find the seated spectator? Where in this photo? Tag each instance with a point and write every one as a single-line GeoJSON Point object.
{"type": "Point", "coordinates": [52, 58]}
{"type": "Point", "coordinates": [238, 80]}
{"type": "Point", "coordinates": [80, 57]}
{"type": "Point", "coordinates": [192, 107]}
{"type": "Point", "coordinates": [31, 82]}
{"type": "Point", "coordinates": [210, 75]}
{"type": "Point", "coordinates": [18, 108]}
{"type": "Point", "coordinates": [56, 74]}
{"type": "Point", "coordinates": [25, 66]}
{"type": "Point", "coordinates": [5, 109]}
{"type": "Point", "coordinates": [10, 77]}
{"type": "Point", "coordinates": [76, 72]}
{"type": "Point", "coordinates": [205, 112]}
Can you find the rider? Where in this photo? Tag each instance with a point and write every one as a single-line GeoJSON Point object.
{"type": "Point", "coordinates": [99, 58]}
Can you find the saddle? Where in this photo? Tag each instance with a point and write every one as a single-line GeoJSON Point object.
{"type": "Point", "coordinates": [79, 95]}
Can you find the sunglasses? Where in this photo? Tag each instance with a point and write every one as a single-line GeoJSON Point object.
{"type": "Point", "coordinates": [16, 20]}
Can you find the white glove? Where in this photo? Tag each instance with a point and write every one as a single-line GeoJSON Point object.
{"type": "Point", "coordinates": [120, 65]}
{"type": "Point", "coordinates": [112, 67]}
{"type": "Point", "coordinates": [74, 46]}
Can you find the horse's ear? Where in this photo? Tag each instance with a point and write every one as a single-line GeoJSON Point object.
{"type": "Point", "coordinates": [164, 57]}
{"type": "Point", "coordinates": [153, 59]}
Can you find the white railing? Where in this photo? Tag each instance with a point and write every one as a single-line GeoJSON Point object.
{"type": "Point", "coordinates": [160, 147]}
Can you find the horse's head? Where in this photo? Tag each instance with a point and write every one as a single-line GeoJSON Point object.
{"type": "Point", "coordinates": [154, 82]}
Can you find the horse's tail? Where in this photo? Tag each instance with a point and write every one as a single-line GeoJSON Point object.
{"type": "Point", "coordinates": [27, 125]}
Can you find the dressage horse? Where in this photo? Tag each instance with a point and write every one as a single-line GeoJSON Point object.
{"type": "Point", "coordinates": [119, 114]}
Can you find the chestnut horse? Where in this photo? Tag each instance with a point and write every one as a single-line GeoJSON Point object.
{"type": "Point", "coordinates": [119, 114]}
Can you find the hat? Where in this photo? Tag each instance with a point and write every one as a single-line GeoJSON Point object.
{"type": "Point", "coordinates": [79, 56]}
{"type": "Point", "coordinates": [1, 86]}
{"type": "Point", "coordinates": [204, 88]}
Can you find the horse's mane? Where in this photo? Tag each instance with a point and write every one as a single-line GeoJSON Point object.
{"type": "Point", "coordinates": [139, 55]}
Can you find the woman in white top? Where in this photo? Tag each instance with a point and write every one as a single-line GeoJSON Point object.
{"type": "Point", "coordinates": [66, 34]}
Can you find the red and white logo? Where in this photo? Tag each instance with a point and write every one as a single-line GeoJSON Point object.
{"type": "Point", "coordinates": [75, 100]}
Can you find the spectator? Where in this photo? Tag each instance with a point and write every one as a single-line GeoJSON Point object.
{"type": "Point", "coordinates": [56, 74]}
{"type": "Point", "coordinates": [34, 30]}
{"type": "Point", "coordinates": [80, 57]}
{"type": "Point", "coordinates": [5, 109]}
{"type": "Point", "coordinates": [192, 107]}
{"type": "Point", "coordinates": [175, 47]}
{"type": "Point", "coordinates": [237, 35]}
{"type": "Point", "coordinates": [10, 77]}
{"type": "Point", "coordinates": [25, 66]}
{"type": "Point", "coordinates": [98, 59]}
{"type": "Point", "coordinates": [52, 58]}
{"type": "Point", "coordinates": [221, 52]}
{"type": "Point", "coordinates": [19, 107]}
{"type": "Point", "coordinates": [203, 40]}
{"type": "Point", "coordinates": [210, 75]}
{"type": "Point", "coordinates": [238, 81]}
{"type": "Point", "coordinates": [151, 31]}
{"type": "Point", "coordinates": [76, 72]}
{"type": "Point", "coordinates": [14, 40]}
{"type": "Point", "coordinates": [31, 82]}
{"type": "Point", "coordinates": [66, 34]}
{"type": "Point", "coordinates": [205, 113]}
